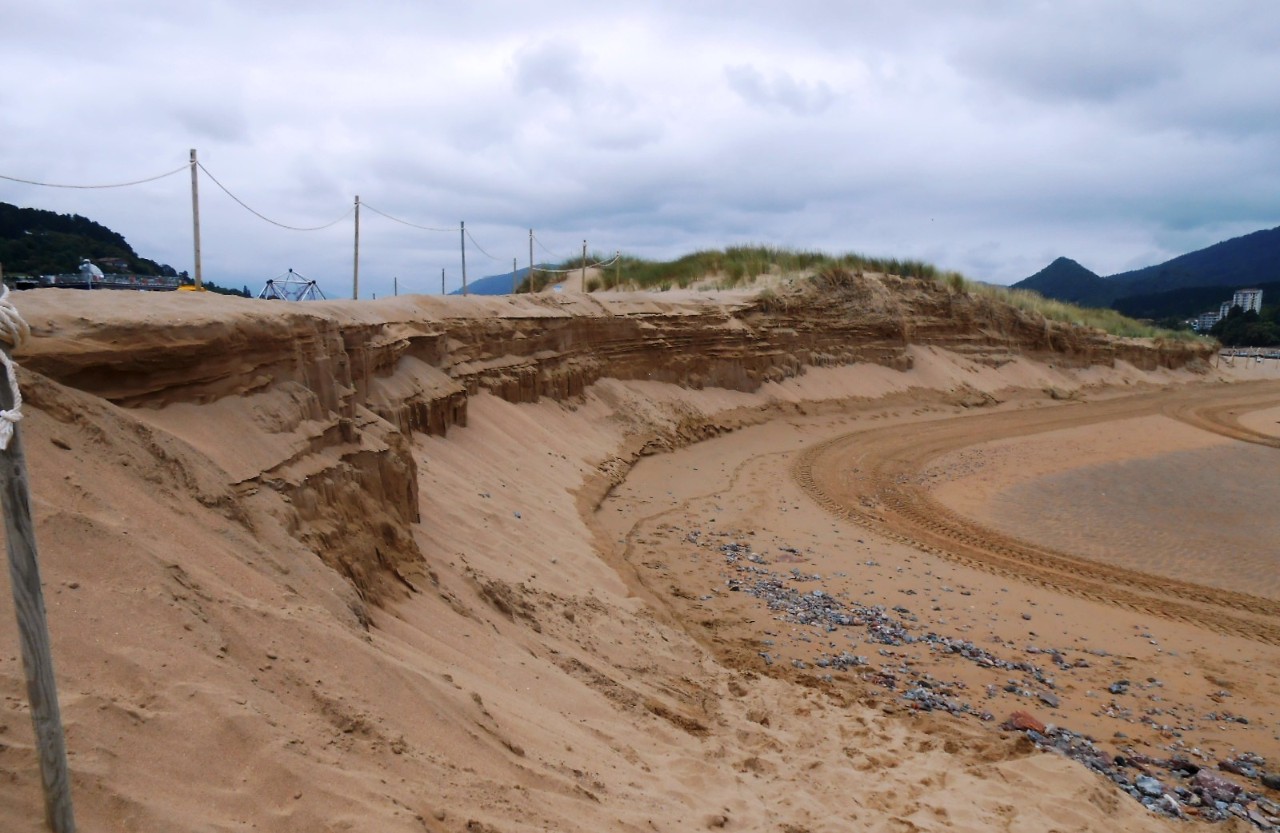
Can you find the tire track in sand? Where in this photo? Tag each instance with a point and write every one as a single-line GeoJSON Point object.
{"type": "Point", "coordinates": [871, 477]}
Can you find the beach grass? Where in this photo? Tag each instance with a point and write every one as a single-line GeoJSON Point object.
{"type": "Point", "coordinates": [737, 266]}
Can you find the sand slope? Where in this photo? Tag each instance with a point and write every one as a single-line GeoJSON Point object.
{"type": "Point", "coordinates": [244, 639]}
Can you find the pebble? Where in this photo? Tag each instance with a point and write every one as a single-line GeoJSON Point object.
{"type": "Point", "coordinates": [1149, 786]}
{"type": "Point", "coordinates": [1212, 797]}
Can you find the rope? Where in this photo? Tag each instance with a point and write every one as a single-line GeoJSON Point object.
{"type": "Point", "coordinates": [260, 216]}
{"type": "Point", "coordinates": [608, 262]}
{"type": "Point", "coordinates": [548, 251]}
{"type": "Point", "coordinates": [481, 248]}
{"type": "Point", "coordinates": [403, 222]}
{"type": "Point", "coordinates": [15, 331]}
{"type": "Point", "coordinates": [113, 185]}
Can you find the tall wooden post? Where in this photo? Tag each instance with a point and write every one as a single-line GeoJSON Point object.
{"type": "Point", "coordinates": [462, 233]}
{"type": "Point", "coordinates": [355, 264]}
{"type": "Point", "coordinates": [195, 219]}
{"type": "Point", "coordinates": [584, 266]}
{"type": "Point", "coordinates": [33, 628]}
{"type": "Point", "coordinates": [513, 276]}
{"type": "Point", "coordinates": [617, 268]}
{"type": "Point", "coordinates": [530, 260]}
{"type": "Point", "coordinates": [395, 286]}
{"type": "Point", "coordinates": [441, 280]}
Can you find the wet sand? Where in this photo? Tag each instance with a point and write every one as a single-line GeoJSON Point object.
{"type": "Point", "coordinates": [1137, 492]}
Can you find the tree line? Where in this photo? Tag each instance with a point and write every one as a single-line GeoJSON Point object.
{"type": "Point", "coordinates": [1249, 329]}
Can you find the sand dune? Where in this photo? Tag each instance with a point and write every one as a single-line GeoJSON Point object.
{"type": "Point", "coordinates": [283, 598]}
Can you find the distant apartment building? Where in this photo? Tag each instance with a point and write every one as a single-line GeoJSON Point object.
{"type": "Point", "coordinates": [1206, 320]}
{"type": "Point", "coordinates": [1247, 299]}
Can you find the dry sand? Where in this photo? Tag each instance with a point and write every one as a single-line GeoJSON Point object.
{"type": "Point", "coordinates": [560, 666]}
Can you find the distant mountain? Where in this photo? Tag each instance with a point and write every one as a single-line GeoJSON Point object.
{"type": "Point", "coordinates": [1239, 262]}
{"type": "Point", "coordinates": [38, 242]}
{"type": "Point", "coordinates": [1067, 280]}
{"type": "Point", "coordinates": [1250, 260]}
{"type": "Point", "coordinates": [493, 284]}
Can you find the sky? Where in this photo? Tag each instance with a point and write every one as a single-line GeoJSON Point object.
{"type": "Point", "coordinates": [987, 137]}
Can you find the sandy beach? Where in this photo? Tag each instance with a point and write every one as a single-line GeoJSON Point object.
{"type": "Point", "coordinates": [280, 599]}
{"type": "Point", "coordinates": [1113, 494]}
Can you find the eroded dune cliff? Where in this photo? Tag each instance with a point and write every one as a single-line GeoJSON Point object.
{"type": "Point", "coordinates": [329, 566]}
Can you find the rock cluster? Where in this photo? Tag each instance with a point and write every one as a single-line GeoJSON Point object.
{"type": "Point", "coordinates": [1175, 787]}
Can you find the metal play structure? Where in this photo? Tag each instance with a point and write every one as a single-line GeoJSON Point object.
{"type": "Point", "coordinates": [291, 287]}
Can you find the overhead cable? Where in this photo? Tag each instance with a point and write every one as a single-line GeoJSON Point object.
{"type": "Point", "coordinates": [112, 185]}
{"type": "Point", "coordinates": [403, 222]}
{"type": "Point", "coordinates": [481, 248]}
{"type": "Point", "coordinates": [548, 251]}
{"type": "Point", "coordinates": [261, 216]}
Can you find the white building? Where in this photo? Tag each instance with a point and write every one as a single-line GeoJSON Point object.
{"type": "Point", "coordinates": [1206, 321]}
{"type": "Point", "coordinates": [1247, 299]}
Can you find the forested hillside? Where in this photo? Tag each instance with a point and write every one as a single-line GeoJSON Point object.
{"type": "Point", "coordinates": [1182, 286]}
{"type": "Point", "coordinates": [38, 242]}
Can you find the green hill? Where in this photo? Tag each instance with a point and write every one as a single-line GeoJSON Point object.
{"type": "Point", "coordinates": [1186, 302]}
{"type": "Point", "coordinates": [1239, 262]}
{"type": "Point", "coordinates": [38, 242]}
{"type": "Point", "coordinates": [1066, 280]}
{"type": "Point", "coordinates": [1181, 286]}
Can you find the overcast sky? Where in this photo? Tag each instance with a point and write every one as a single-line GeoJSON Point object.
{"type": "Point", "coordinates": [987, 137]}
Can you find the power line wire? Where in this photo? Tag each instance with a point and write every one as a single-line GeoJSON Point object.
{"type": "Point", "coordinates": [112, 185]}
{"type": "Point", "coordinates": [403, 222]}
{"type": "Point", "coordinates": [261, 216]}
{"type": "Point", "coordinates": [481, 248]}
{"type": "Point", "coordinates": [548, 251]}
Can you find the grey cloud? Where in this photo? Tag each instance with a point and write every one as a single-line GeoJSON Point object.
{"type": "Point", "coordinates": [1063, 68]}
{"type": "Point", "coordinates": [553, 66]}
{"type": "Point", "coordinates": [780, 90]}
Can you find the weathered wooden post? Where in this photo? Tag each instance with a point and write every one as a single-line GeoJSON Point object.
{"type": "Point", "coordinates": [28, 597]}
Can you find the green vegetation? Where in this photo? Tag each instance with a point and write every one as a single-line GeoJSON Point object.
{"type": "Point", "coordinates": [727, 268]}
{"type": "Point", "coordinates": [1249, 329]}
{"type": "Point", "coordinates": [1183, 286]}
{"type": "Point", "coordinates": [37, 242]}
{"type": "Point", "coordinates": [1107, 320]}
{"type": "Point", "coordinates": [739, 265]}
{"type": "Point", "coordinates": [210, 286]}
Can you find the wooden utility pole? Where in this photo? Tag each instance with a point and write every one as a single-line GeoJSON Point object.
{"type": "Point", "coordinates": [530, 260]}
{"type": "Point", "coordinates": [617, 268]}
{"type": "Point", "coordinates": [462, 232]}
{"type": "Point", "coordinates": [195, 218]}
{"type": "Point", "coordinates": [33, 628]}
{"type": "Point", "coordinates": [584, 266]}
{"type": "Point", "coordinates": [441, 280]}
{"type": "Point", "coordinates": [513, 276]}
{"type": "Point", "coordinates": [395, 286]}
{"type": "Point", "coordinates": [355, 264]}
